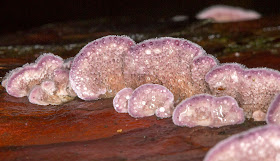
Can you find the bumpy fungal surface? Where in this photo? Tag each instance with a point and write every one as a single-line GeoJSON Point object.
{"type": "Point", "coordinates": [38, 96]}
{"type": "Point", "coordinates": [107, 65]}
{"type": "Point", "coordinates": [257, 144]}
{"type": "Point", "coordinates": [120, 101]}
{"type": "Point", "coordinates": [150, 99]}
{"type": "Point", "coordinates": [253, 89]}
{"type": "Point", "coordinates": [53, 92]}
{"type": "Point", "coordinates": [19, 81]}
{"type": "Point", "coordinates": [200, 67]}
{"type": "Point", "coordinates": [97, 70]}
{"type": "Point", "coordinates": [207, 110]}
{"type": "Point", "coordinates": [44, 82]}
{"type": "Point", "coordinates": [273, 112]}
{"type": "Point", "coordinates": [222, 13]}
{"type": "Point", "coordinates": [166, 61]}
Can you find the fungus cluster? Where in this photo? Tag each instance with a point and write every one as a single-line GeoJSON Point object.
{"type": "Point", "coordinates": [254, 88]}
{"type": "Point", "coordinates": [109, 64]}
{"type": "Point", "coordinates": [149, 78]}
{"type": "Point", "coordinates": [154, 76]}
{"type": "Point", "coordinates": [199, 110]}
{"type": "Point", "coordinates": [44, 82]}
{"type": "Point", "coordinates": [169, 62]}
{"type": "Point", "coordinates": [146, 100]}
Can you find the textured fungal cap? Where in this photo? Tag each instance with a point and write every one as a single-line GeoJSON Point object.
{"type": "Point", "coordinates": [262, 143]}
{"type": "Point", "coordinates": [121, 99]}
{"type": "Point", "coordinates": [48, 93]}
{"type": "Point", "coordinates": [273, 112]}
{"type": "Point", "coordinates": [48, 86]}
{"type": "Point", "coordinates": [252, 88]}
{"type": "Point", "coordinates": [19, 81]}
{"type": "Point", "coordinates": [225, 79]}
{"type": "Point", "coordinates": [44, 82]}
{"type": "Point", "coordinates": [222, 13]}
{"type": "Point", "coordinates": [61, 79]}
{"type": "Point", "coordinates": [38, 96]}
{"type": "Point", "coordinates": [207, 110]}
{"type": "Point", "coordinates": [165, 61]}
{"type": "Point", "coordinates": [55, 91]}
{"type": "Point", "coordinates": [200, 67]}
{"type": "Point", "coordinates": [150, 99]}
{"type": "Point", "coordinates": [97, 70]}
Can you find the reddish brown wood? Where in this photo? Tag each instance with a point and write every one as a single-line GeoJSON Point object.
{"type": "Point", "coordinates": [93, 130]}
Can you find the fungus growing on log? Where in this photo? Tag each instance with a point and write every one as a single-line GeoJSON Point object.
{"type": "Point", "coordinates": [261, 143]}
{"type": "Point", "coordinates": [200, 67]}
{"type": "Point", "coordinates": [120, 101]}
{"type": "Point", "coordinates": [150, 99]}
{"type": "Point", "coordinates": [207, 110]}
{"type": "Point", "coordinates": [166, 61]}
{"type": "Point", "coordinates": [254, 88]}
{"type": "Point", "coordinates": [105, 66]}
{"type": "Point", "coordinates": [97, 70]}
{"type": "Point", "coordinates": [46, 78]}
{"type": "Point", "coordinates": [109, 64]}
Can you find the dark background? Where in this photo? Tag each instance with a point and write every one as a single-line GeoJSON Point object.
{"type": "Point", "coordinates": [25, 14]}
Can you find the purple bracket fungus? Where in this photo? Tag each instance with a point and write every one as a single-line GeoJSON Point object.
{"type": "Point", "coordinates": [222, 13]}
{"type": "Point", "coordinates": [53, 92]}
{"type": "Point", "coordinates": [150, 99]}
{"type": "Point", "coordinates": [109, 64]}
{"type": "Point", "coordinates": [97, 70]}
{"type": "Point", "coordinates": [273, 112]}
{"type": "Point", "coordinates": [200, 67]}
{"type": "Point", "coordinates": [166, 61]}
{"type": "Point", "coordinates": [19, 81]}
{"type": "Point", "coordinates": [46, 78]}
{"type": "Point", "coordinates": [254, 88]}
{"type": "Point", "coordinates": [261, 143]}
{"type": "Point", "coordinates": [120, 101]}
{"type": "Point", "coordinates": [39, 94]}
{"type": "Point", "coordinates": [207, 110]}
